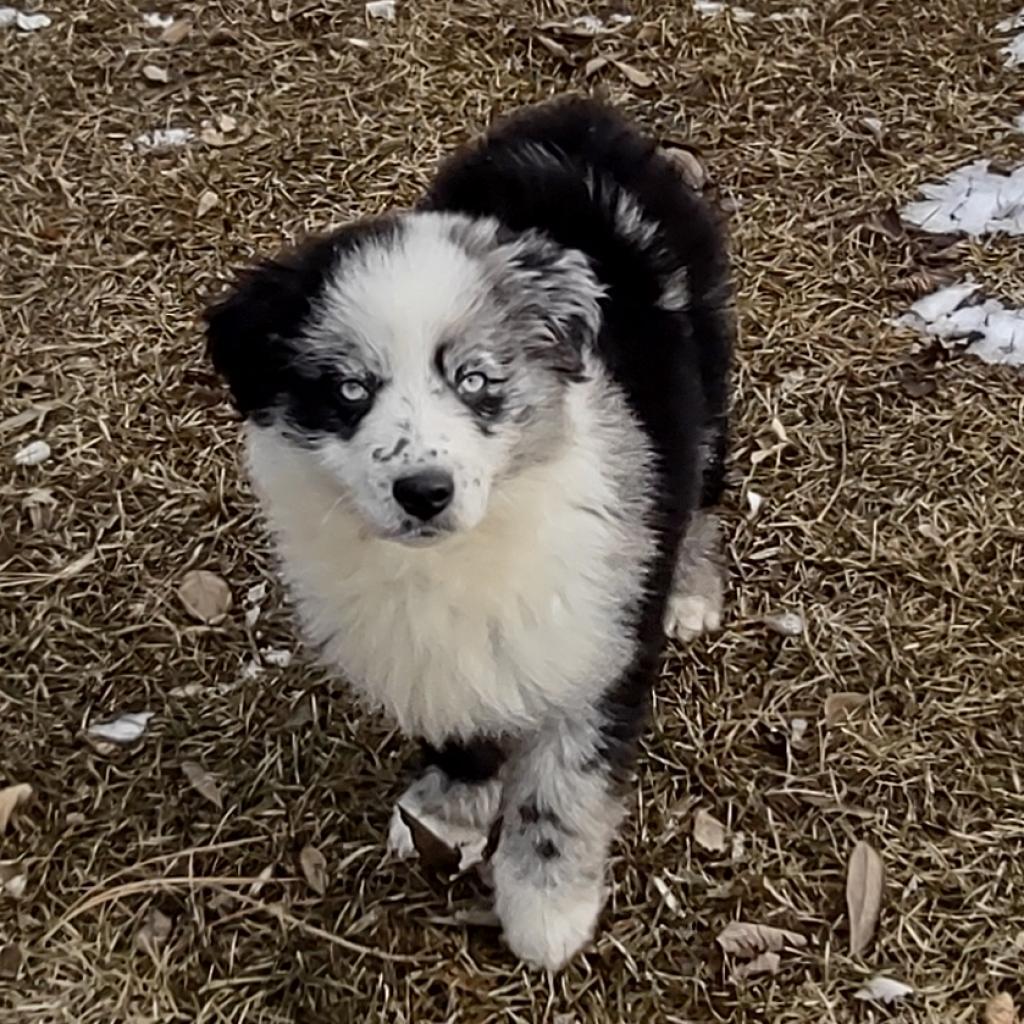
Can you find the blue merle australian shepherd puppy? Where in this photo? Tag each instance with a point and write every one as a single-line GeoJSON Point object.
{"type": "Point", "coordinates": [487, 435]}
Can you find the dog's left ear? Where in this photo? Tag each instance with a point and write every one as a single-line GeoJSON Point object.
{"type": "Point", "coordinates": [247, 329]}
{"type": "Point", "coordinates": [557, 289]}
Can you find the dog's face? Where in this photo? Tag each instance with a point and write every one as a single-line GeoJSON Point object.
{"type": "Point", "coordinates": [416, 361]}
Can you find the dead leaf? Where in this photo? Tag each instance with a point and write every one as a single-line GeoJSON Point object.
{"type": "Point", "coordinates": [708, 831]}
{"type": "Point", "coordinates": [11, 959]}
{"type": "Point", "coordinates": [916, 385]}
{"type": "Point", "coordinates": [14, 878]}
{"type": "Point", "coordinates": [203, 782]}
{"type": "Point", "coordinates": [301, 714]}
{"type": "Point", "coordinates": [865, 882]}
{"type": "Point", "coordinates": [766, 963]}
{"type": "Point", "coordinates": [226, 123]}
{"type": "Point", "coordinates": [153, 932]}
{"type": "Point", "coordinates": [433, 851]}
{"type": "Point", "coordinates": [314, 868]}
{"type": "Point", "coordinates": [217, 138]}
{"type": "Point", "coordinates": [176, 31]}
{"type": "Point", "coordinates": [12, 797]}
{"type": "Point", "coordinates": [749, 940]}
{"type": "Point", "coordinates": [470, 917]}
{"type": "Point", "coordinates": [155, 73]}
{"type": "Point", "coordinates": [222, 36]}
{"type": "Point", "coordinates": [556, 48]}
{"type": "Point", "coordinates": [1000, 1010]}
{"type": "Point", "coordinates": [35, 453]}
{"type": "Point", "coordinates": [883, 990]}
{"type": "Point", "coordinates": [594, 65]}
{"type": "Point", "coordinates": [840, 706]}
{"type": "Point", "coordinates": [639, 78]}
{"type": "Point", "coordinates": [785, 623]}
{"type": "Point", "coordinates": [874, 126]}
{"type": "Point", "coordinates": [924, 281]}
{"type": "Point", "coordinates": [688, 165]}
{"type": "Point", "coordinates": [122, 731]}
{"type": "Point", "coordinates": [668, 897]}
{"type": "Point", "coordinates": [205, 596]}
{"type": "Point", "coordinates": [207, 201]}
{"type": "Point", "coordinates": [261, 879]}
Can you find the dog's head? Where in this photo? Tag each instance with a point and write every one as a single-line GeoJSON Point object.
{"type": "Point", "coordinates": [416, 361]}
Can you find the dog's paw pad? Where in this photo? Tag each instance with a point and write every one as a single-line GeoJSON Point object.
{"type": "Point", "coordinates": [691, 615]}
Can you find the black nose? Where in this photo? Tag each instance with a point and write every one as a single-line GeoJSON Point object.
{"type": "Point", "coordinates": [424, 494]}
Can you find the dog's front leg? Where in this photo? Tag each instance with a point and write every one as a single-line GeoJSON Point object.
{"type": "Point", "coordinates": [560, 810]}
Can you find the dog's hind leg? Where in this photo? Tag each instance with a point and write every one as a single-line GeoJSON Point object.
{"type": "Point", "coordinates": [457, 797]}
{"type": "Point", "coordinates": [698, 590]}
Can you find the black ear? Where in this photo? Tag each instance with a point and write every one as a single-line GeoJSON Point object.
{"type": "Point", "coordinates": [247, 330]}
{"type": "Point", "coordinates": [557, 289]}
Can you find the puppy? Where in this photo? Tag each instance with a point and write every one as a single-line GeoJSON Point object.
{"type": "Point", "coordinates": [487, 435]}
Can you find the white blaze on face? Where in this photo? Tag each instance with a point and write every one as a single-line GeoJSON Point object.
{"type": "Point", "coordinates": [397, 303]}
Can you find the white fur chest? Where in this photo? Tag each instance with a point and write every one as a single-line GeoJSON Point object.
{"type": "Point", "coordinates": [490, 630]}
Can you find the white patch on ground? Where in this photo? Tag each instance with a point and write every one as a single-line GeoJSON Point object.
{"type": "Point", "coordinates": [960, 317]}
{"type": "Point", "coordinates": [793, 14]}
{"type": "Point", "coordinates": [153, 19]}
{"type": "Point", "coordinates": [712, 8]}
{"type": "Point", "coordinates": [381, 9]}
{"type": "Point", "coordinates": [25, 22]}
{"type": "Point", "coordinates": [160, 139]}
{"type": "Point", "coordinates": [1014, 49]}
{"type": "Point", "coordinates": [974, 200]}
{"type": "Point", "coordinates": [1018, 123]}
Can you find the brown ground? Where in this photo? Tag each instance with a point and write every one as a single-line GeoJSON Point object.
{"type": "Point", "coordinates": [892, 523]}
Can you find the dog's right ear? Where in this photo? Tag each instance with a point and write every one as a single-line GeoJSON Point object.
{"type": "Point", "coordinates": [247, 330]}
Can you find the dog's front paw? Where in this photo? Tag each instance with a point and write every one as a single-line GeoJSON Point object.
{"type": "Point", "coordinates": [544, 926]}
{"type": "Point", "coordinates": [688, 616]}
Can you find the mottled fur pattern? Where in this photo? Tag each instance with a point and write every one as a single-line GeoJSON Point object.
{"type": "Point", "coordinates": [482, 433]}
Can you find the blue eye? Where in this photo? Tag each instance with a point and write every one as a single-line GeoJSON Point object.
{"type": "Point", "coordinates": [354, 391]}
{"type": "Point", "coordinates": [472, 383]}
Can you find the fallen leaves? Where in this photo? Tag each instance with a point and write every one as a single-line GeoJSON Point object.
{"type": "Point", "coordinates": [155, 74]}
{"type": "Point", "coordinates": [759, 944]}
{"type": "Point", "coordinates": [865, 883]}
{"type": "Point", "coordinates": [205, 596]}
{"type": "Point", "coordinates": [176, 32]}
{"type": "Point", "coordinates": [766, 963]}
{"type": "Point", "coordinates": [639, 78]}
{"type": "Point", "coordinates": [688, 164]}
{"type": "Point", "coordinates": [11, 959]}
{"type": "Point", "coordinates": [203, 782]}
{"type": "Point", "coordinates": [880, 989]}
{"type": "Point", "coordinates": [207, 201]}
{"type": "Point", "coordinates": [35, 453]}
{"type": "Point", "coordinates": [11, 798]}
{"type": "Point", "coordinates": [223, 131]}
{"type": "Point", "coordinates": [741, 938]}
{"type": "Point", "coordinates": [784, 623]}
{"type": "Point", "coordinates": [153, 932]}
{"type": "Point", "coordinates": [121, 731]}
{"type": "Point", "coordinates": [314, 869]}
{"type": "Point", "coordinates": [22, 21]}
{"type": "Point", "coordinates": [160, 140]}
{"type": "Point", "coordinates": [1001, 1010]}
{"type": "Point", "coordinates": [708, 832]}
{"type": "Point", "coordinates": [433, 851]}
{"type": "Point", "coordinates": [13, 878]}
{"type": "Point", "coordinates": [838, 707]}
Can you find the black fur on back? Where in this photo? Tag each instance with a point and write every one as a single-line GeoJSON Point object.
{"type": "Point", "coordinates": [560, 168]}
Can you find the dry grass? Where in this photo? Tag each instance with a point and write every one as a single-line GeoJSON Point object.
{"type": "Point", "coordinates": [892, 523]}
